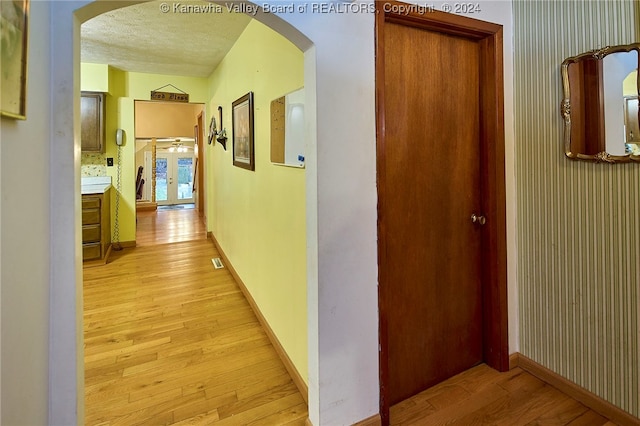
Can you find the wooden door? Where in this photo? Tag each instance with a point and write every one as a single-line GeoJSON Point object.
{"type": "Point", "coordinates": [438, 169]}
{"type": "Point", "coordinates": [432, 168]}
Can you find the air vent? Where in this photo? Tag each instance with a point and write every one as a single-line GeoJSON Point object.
{"type": "Point", "coordinates": [217, 263]}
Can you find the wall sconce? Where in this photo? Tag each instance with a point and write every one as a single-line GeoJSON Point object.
{"type": "Point", "coordinates": [222, 134]}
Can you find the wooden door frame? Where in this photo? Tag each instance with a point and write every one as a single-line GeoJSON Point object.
{"type": "Point", "coordinates": [494, 244]}
{"type": "Point", "coordinates": [200, 159]}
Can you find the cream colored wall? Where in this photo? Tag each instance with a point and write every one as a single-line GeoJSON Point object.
{"type": "Point", "coordinates": [25, 209]}
{"type": "Point", "coordinates": [259, 217]}
{"type": "Point", "coordinates": [578, 223]}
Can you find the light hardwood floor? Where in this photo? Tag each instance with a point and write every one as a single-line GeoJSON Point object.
{"type": "Point", "coordinates": [483, 396]}
{"type": "Point", "coordinates": [171, 340]}
{"type": "Point", "coordinates": [169, 226]}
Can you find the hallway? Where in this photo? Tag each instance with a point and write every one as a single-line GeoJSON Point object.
{"type": "Point", "coordinates": [170, 340]}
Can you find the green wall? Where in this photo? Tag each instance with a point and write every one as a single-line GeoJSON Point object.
{"type": "Point", "coordinates": [258, 217]}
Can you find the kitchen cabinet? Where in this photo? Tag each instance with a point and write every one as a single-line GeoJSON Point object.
{"type": "Point", "coordinates": [92, 121]}
{"type": "Point", "coordinates": [96, 227]}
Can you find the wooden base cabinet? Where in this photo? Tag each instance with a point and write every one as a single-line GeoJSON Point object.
{"type": "Point", "coordinates": [96, 227]}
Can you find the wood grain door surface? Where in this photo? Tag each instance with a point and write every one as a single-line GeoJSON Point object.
{"type": "Point", "coordinates": [432, 186]}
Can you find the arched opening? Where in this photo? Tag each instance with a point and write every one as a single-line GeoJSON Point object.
{"type": "Point", "coordinates": [68, 340]}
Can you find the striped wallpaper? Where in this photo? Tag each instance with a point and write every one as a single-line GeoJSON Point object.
{"type": "Point", "coordinates": [578, 222]}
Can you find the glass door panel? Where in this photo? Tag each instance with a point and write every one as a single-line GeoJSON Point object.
{"type": "Point", "coordinates": [185, 179]}
{"type": "Point", "coordinates": [162, 181]}
{"type": "Point", "coordinates": [174, 178]}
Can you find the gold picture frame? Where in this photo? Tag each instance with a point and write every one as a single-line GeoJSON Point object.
{"type": "Point", "coordinates": [14, 39]}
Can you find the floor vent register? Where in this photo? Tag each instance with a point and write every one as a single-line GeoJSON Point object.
{"type": "Point", "coordinates": [217, 263]}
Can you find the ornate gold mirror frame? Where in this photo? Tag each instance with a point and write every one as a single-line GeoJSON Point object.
{"type": "Point", "coordinates": [583, 107]}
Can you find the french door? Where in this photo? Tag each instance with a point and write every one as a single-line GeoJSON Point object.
{"type": "Point", "coordinates": [174, 178]}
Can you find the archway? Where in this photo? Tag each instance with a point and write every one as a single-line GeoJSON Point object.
{"type": "Point", "coordinates": [66, 406]}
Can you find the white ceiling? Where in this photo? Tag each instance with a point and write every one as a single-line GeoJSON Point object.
{"type": "Point", "coordinates": [143, 38]}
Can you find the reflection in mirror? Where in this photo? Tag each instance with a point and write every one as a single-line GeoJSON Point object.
{"type": "Point", "coordinates": [600, 105]}
{"type": "Point", "coordinates": [287, 129]}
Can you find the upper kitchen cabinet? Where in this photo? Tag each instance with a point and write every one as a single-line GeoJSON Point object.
{"type": "Point", "coordinates": [92, 121]}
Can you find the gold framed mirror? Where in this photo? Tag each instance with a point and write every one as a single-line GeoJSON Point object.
{"type": "Point", "coordinates": [600, 104]}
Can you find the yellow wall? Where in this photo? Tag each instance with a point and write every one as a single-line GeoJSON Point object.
{"type": "Point", "coordinates": [95, 77]}
{"type": "Point", "coordinates": [258, 217]}
{"type": "Point", "coordinates": [122, 89]}
{"type": "Point", "coordinates": [630, 84]}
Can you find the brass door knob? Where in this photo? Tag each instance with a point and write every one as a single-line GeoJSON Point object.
{"type": "Point", "coordinates": [478, 219]}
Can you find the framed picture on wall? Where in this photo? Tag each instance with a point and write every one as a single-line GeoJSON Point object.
{"type": "Point", "coordinates": [13, 63]}
{"type": "Point", "coordinates": [242, 123]}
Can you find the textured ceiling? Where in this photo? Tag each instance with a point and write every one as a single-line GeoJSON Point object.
{"type": "Point", "coordinates": [163, 37]}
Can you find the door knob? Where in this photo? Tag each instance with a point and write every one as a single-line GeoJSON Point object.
{"type": "Point", "coordinates": [478, 219]}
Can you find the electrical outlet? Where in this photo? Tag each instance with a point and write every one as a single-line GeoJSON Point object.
{"type": "Point", "coordinates": [109, 161]}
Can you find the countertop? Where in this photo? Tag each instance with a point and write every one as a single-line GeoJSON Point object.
{"type": "Point", "coordinates": [95, 185]}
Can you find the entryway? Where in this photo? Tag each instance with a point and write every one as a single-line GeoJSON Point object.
{"type": "Point", "coordinates": [441, 192]}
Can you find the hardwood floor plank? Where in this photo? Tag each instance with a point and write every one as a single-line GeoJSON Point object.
{"type": "Point", "coordinates": [295, 415]}
{"type": "Point", "coordinates": [200, 419]}
{"type": "Point", "coordinates": [247, 376]}
{"type": "Point", "coordinates": [149, 411]}
{"type": "Point", "coordinates": [589, 418]}
{"type": "Point", "coordinates": [562, 414]}
{"type": "Point", "coordinates": [259, 385]}
{"type": "Point", "coordinates": [259, 412]}
{"type": "Point", "coordinates": [126, 349]}
{"type": "Point", "coordinates": [459, 410]}
{"type": "Point", "coordinates": [258, 400]}
{"type": "Point", "coordinates": [203, 405]}
{"type": "Point", "coordinates": [119, 366]}
{"type": "Point", "coordinates": [516, 408]}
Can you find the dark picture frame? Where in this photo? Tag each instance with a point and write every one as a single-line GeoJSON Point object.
{"type": "Point", "coordinates": [14, 19]}
{"type": "Point", "coordinates": [243, 137]}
